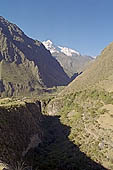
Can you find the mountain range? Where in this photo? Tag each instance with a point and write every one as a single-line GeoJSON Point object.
{"type": "Point", "coordinates": [71, 60]}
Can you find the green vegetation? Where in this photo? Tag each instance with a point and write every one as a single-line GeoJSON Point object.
{"type": "Point", "coordinates": [85, 128]}
{"type": "Point", "coordinates": [81, 111]}
{"type": "Point", "coordinates": [69, 138]}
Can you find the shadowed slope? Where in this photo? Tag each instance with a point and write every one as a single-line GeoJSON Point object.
{"type": "Point", "coordinates": [27, 58]}
{"type": "Point", "coordinates": [57, 152]}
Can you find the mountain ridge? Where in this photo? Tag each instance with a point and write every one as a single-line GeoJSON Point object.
{"type": "Point", "coordinates": [71, 60]}
{"type": "Point", "coordinates": [28, 58]}
{"type": "Point", "coordinates": [57, 49]}
{"type": "Point", "coordinates": [99, 73]}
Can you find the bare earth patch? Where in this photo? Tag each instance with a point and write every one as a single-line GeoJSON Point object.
{"type": "Point", "coordinates": [106, 120]}
{"type": "Point", "coordinates": [2, 166]}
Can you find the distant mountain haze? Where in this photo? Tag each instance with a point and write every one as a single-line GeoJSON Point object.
{"type": "Point", "coordinates": [26, 66]}
{"type": "Point", "coordinates": [71, 60]}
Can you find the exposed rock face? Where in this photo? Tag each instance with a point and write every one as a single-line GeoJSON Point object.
{"type": "Point", "coordinates": [20, 130]}
{"type": "Point", "coordinates": [72, 65]}
{"type": "Point", "coordinates": [54, 106]}
{"type": "Point", "coordinates": [26, 66]}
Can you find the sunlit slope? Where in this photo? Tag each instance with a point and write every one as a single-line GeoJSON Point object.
{"type": "Point", "coordinates": [99, 73]}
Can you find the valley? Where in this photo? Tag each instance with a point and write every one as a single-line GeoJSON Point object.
{"type": "Point", "coordinates": [72, 61]}
{"type": "Point", "coordinates": [56, 107]}
{"type": "Point", "coordinates": [64, 136]}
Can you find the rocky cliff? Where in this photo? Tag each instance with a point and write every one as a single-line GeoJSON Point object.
{"type": "Point", "coordinates": [20, 128]}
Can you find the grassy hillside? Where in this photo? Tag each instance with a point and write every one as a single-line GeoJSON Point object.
{"type": "Point", "coordinates": [99, 73]}
{"type": "Point", "coordinates": [89, 114]}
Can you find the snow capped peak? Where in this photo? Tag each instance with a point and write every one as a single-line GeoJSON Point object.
{"type": "Point", "coordinates": [50, 46]}
{"type": "Point", "coordinates": [68, 51]}
{"type": "Point", "coordinates": [58, 49]}
{"type": "Point", "coordinates": [48, 42]}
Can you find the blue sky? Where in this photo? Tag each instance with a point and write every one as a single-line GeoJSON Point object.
{"type": "Point", "coordinates": [84, 25]}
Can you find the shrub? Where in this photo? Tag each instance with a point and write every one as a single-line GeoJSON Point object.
{"type": "Point", "coordinates": [19, 166]}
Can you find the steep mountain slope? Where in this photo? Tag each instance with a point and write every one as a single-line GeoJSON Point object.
{"type": "Point", "coordinates": [86, 105]}
{"type": "Point", "coordinates": [26, 65]}
{"type": "Point", "coordinates": [99, 73]}
{"type": "Point", "coordinates": [72, 61]}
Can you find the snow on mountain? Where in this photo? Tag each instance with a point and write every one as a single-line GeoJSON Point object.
{"type": "Point", "coordinates": [71, 60]}
{"type": "Point", "coordinates": [50, 46]}
{"type": "Point", "coordinates": [68, 51]}
{"type": "Point", "coordinates": [58, 49]}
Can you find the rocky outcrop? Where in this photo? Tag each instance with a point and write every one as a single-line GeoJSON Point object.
{"type": "Point", "coordinates": [54, 106]}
